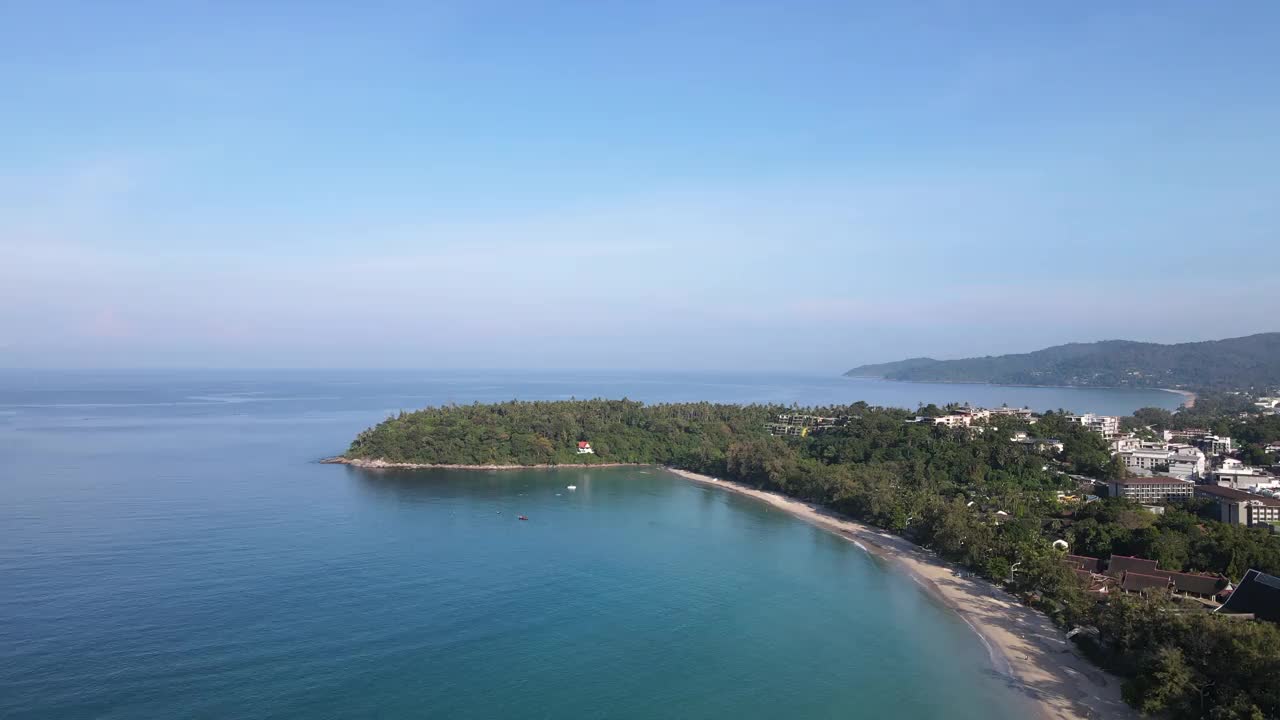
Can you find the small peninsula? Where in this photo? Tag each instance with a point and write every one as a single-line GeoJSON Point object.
{"type": "Point", "coordinates": [997, 497]}
{"type": "Point", "coordinates": [1244, 362]}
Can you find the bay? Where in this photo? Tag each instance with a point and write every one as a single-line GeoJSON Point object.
{"type": "Point", "coordinates": [170, 548]}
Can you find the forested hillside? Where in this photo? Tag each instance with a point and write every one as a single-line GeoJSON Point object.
{"type": "Point", "coordinates": [1237, 363]}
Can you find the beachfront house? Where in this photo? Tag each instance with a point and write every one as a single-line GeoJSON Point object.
{"type": "Point", "coordinates": [584, 448]}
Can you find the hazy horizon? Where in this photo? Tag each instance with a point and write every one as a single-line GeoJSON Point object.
{"type": "Point", "coordinates": [690, 186]}
{"type": "Point", "coordinates": [679, 368]}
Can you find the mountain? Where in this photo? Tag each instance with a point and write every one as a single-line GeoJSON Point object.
{"type": "Point", "coordinates": [1236, 363]}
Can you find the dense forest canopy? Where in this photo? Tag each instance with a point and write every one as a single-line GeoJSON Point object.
{"type": "Point", "coordinates": [1245, 362]}
{"type": "Point", "coordinates": [972, 496]}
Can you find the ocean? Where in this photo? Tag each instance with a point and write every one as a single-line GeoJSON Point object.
{"type": "Point", "coordinates": [169, 548]}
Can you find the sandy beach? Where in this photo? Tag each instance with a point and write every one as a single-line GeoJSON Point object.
{"type": "Point", "coordinates": [380, 464]}
{"type": "Point", "coordinates": [1188, 397]}
{"type": "Point", "coordinates": [1025, 646]}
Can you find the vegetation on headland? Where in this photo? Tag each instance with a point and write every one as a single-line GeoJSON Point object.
{"type": "Point", "coordinates": [1244, 362]}
{"type": "Point", "coordinates": [976, 499]}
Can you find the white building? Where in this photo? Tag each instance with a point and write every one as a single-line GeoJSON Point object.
{"type": "Point", "coordinates": [1151, 490]}
{"type": "Point", "coordinates": [974, 414]}
{"type": "Point", "coordinates": [1239, 477]}
{"type": "Point", "coordinates": [1216, 444]}
{"type": "Point", "coordinates": [1270, 488]}
{"type": "Point", "coordinates": [1022, 413]}
{"type": "Point", "coordinates": [1146, 460]}
{"type": "Point", "coordinates": [1187, 466]}
{"type": "Point", "coordinates": [1125, 443]}
{"type": "Point", "coordinates": [1041, 445]}
{"type": "Point", "coordinates": [1108, 426]}
{"type": "Point", "coordinates": [1181, 462]}
{"type": "Point", "coordinates": [948, 420]}
{"type": "Point", "coordinates": [584, 448]}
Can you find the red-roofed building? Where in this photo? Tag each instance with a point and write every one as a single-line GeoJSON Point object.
{"type": "Point", "coordinates": [1084, 562]}
{"type": "Point", "coordinates": [1118, 565]}
{"type": "Point", "coordinates": [1203, 586]}
{"type": "Point", "coordinates": [584, 448]}
{"type": "Point", "coordinates": [1137, 582]}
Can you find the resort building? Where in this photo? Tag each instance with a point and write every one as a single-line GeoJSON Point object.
{"type": "Point", "coordinates": [1257, 595]}
{"type": "Point", "coordinates": [1234, 474]}
{"type": "Point", "coordinates": [1118, 565]}
{"type": "Point", "coordinates": [947, 420]}
{"type": "Point", "coordinates": [785, 430]}
{"type": "Point", "coordinates": [1186, 467]}
{"type": "Point", "coordinates": [809, 420]}
{"type": "Point", "coordinates": [974, 414]}
{"type": "Point", "coordinates": [1151, 490]}
{"type": "Point", "coordinates": [1195, 585]}
{"type": "Point", "coordinates": [1239, 507]}
{"type": "Point", "coordinates": [1022, 413]}
{"type": "Point", "coordinates": [1240, 478]}
{"type": "Point", "coordinates": [1050, 445]}
{"type": "Point", "coordinates": [801, 425]}
{"type": "Point", "coordinates": [1125, 443]}
{"type": "Point", "coordinates": [1194, 435]}
{"type": "Point", "coordinates": [1140, 583]}
{"type": "Point", "coordinates": [1216, 444]}
{"type": "Point", "coordinates": [1084, 562]}
{"type": "Point", "coordinates": [1108, 426]}
{"type": "Point", "coordinates": [967, 415]}
{"type": "Point", "coordinates": [1135, 574]}
{"type": "Point", "coordinates": [1148, 460]}
{"type": "Point", "coordinates": [1177, 461]}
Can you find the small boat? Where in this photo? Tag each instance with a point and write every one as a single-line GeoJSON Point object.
{"type": "Point", "coordinates": [571, 487]}
{"type": "Point", "coordinates": [522, 517]}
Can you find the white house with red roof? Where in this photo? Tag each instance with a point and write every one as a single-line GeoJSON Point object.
{"type": "Point", "coordinates": [584, 448]}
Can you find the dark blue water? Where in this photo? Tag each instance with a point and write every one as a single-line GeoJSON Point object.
{"type": "Point", "coordinates": [169, 548]}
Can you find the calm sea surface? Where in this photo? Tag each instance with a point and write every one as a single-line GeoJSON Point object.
{"type": "Point", "coordinates": [170, 549]}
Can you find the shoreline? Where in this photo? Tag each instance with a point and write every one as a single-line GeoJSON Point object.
{"type": "Point", "coordinates": [1188, 397]}
{"type": "Point", "coordinates": [379, 464]}
{"type": "Point", "coordinates": [1026, 648]}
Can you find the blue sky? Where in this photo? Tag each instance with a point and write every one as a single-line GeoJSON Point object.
{"type": "Point", "coordinates": [634, 185]}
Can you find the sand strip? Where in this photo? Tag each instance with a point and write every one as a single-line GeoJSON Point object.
{"type": "Point", "coordinates": [387, 465]}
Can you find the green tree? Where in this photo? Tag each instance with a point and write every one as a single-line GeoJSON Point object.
{"type": "Point", "coordinates": [1166, 684]}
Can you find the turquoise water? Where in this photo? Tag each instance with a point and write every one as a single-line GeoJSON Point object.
{"type": "Point", "coordinates": [169, 548]}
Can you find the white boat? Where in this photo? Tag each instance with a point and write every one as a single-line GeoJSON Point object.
{"type": "Point", "coordinates": [572, 487]}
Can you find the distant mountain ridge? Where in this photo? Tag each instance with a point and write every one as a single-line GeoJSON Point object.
{"type": "Point", "coordinates": [1235, 363]}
